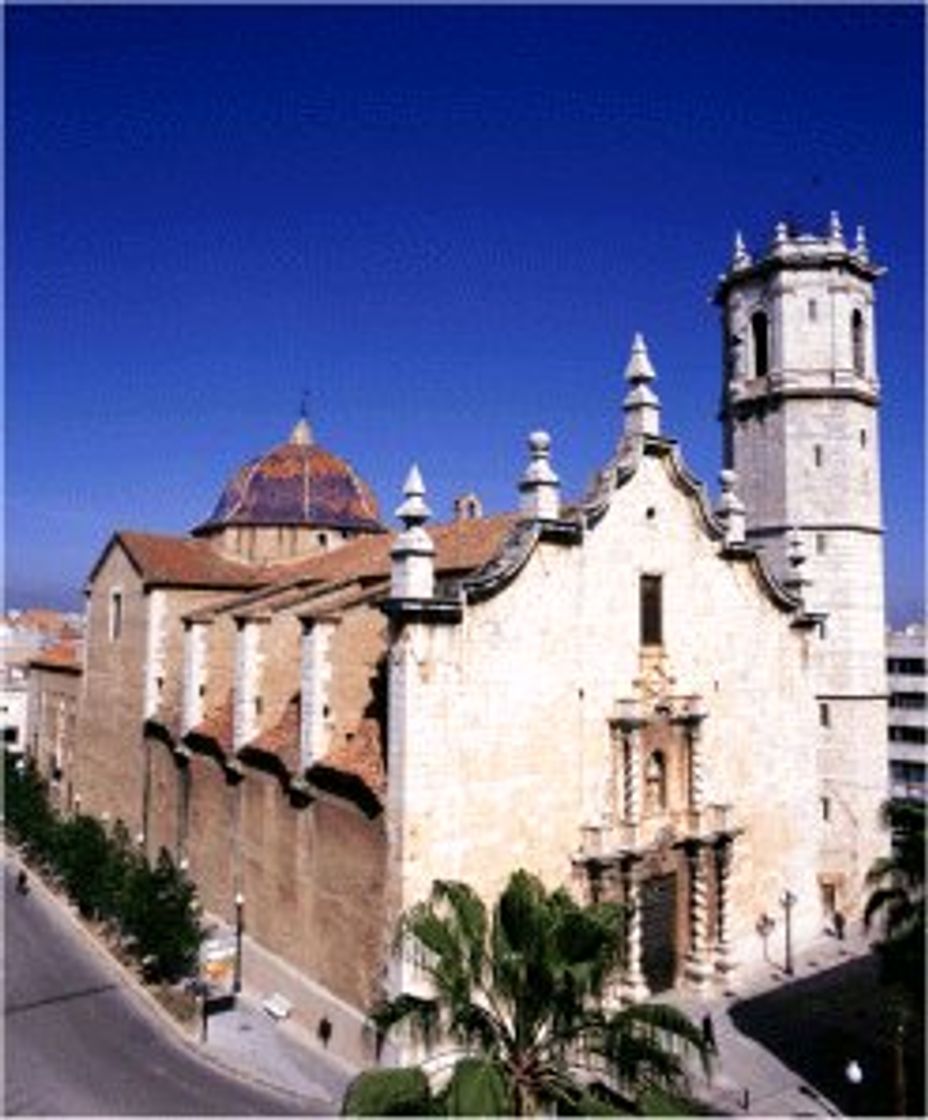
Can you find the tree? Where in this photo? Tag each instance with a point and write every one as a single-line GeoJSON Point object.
{"type": "Point", "coordinates": [898, 899]}
{"type": "Point", "coordinates": [158, 911]}
{"type": "Point", "coordinates": [519, 996]}
{"type": "Point", "coordinates": [898, 902]}
{"type": "Point", "coordinates": [82, 858]}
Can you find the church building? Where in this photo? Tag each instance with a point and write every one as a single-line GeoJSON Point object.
{"type": "Point", "coordinates": [634, 695]}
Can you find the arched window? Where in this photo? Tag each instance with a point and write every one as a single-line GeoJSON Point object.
{"type": "Point", "coordinates": [761, 344]}
{"type": "Point", "coordinates": [857, 342]}
{"type": "Point", "coordinates": [655, 783]}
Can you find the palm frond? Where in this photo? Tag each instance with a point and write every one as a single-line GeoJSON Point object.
{"type": "Point", "coordinates": [422, 1016]}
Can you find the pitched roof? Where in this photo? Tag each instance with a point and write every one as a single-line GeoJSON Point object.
{"type": "Point", "coordinates": [282, 739]}
{"type": "Point", "coordinates": [459, 547]}
{"type": "Point", "coordinates": [182, 562]}
{"type": "Point", "coordinates": [217, 723]}
{"type": "Point", "coordinates": [65, 656]}
{"type": "Point", "coordinates": [351, 571]}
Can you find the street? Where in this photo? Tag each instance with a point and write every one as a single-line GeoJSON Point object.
{"type": "Point", "coordinates": [818, 1024]}
{"type": "Point", "coordinates": [80, 1042]}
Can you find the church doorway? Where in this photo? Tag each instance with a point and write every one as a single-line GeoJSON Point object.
{"type": "Point", "coordinates": [658, 931]}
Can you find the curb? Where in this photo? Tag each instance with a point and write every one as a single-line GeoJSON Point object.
{"type": "Point", "coordinates": [132, 983]}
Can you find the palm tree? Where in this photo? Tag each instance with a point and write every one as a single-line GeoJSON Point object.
{"type": "Point", "coordinates": [898, 897]}
{"type": "Point", "coordinates": [898, 901]}
{"type": "Point", "coordinates": [519, 997]}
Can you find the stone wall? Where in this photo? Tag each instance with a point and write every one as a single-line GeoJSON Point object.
{"type": "Point", "coordinates": [53, 702]}
{"type": "Point", "coordinates": [500, 736]}
{"type": "Point", "coordinates": [110, 760]}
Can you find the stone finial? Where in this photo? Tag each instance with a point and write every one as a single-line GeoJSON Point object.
{"type": "Point", "coordinates": [413, 553]}
{"type": "Point", "coordinates": [780, 234]}
{"type": "Point", "coordinates": [835, 231]}
{"type": "Point", "coordinates": [741, 258]}
{"type": "Point", "coordinates": [860, 245]}
{"type": "Point", "coordinates": [539, 485]}
{"type": "Point", "coordinates": [302, 433]}
{"type": "Point", "coordinates": [731, 509]}
{"type": "Point", "coordinates": [796, 558]}
{"type": "Point", "coordinates": [641, 406]}
{"type": "Point", "coordinates": [413, 512]}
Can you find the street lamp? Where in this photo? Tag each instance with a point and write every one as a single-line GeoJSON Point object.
{"type": "Point", "coordinates": [765, 926]}
{"type": "Point", "coordinates": [239, 926]}
{"type": "Point", "coordinates": [788, 901]}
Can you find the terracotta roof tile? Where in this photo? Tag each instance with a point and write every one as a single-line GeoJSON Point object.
{"type": "Point", "coordinates": [217, 724]}
{"type": "Point", "coordinates": [64, 655]}
{"type": "Point", "coordinates": [360, 755]}
{"type": "Point", "coordinates": [459, 546]}
{"type": "Point", "coordinates": [282, 739]}
{"type": "Point", "coordinates": [184, 562]}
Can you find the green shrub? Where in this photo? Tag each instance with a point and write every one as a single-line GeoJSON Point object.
{"type": "Point", "coordinates": [107, 876]}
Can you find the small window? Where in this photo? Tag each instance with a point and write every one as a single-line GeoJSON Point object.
{"type": "Point", "coordinates": [259, 705]}
{"type": "Point", "coordinates": [818, 454]}
{"type": "Point", "coordinates": [826, 808]}
{"type": "Point", "coordinates": [824, 715]}
{"type": "Point", "coordinates": [821, 543]}
{"type": "Point", "coordinates": [650, 595]}
{"type": "Point", "coordinates": [323, 540]}
{"type": "Point", "coordinates": [813, 311]}
{"type": "Point", "coordinates": [115, 615]}
{"type": "Point", "coordinates": [857, 342]}
{"type": "Point", "coordinates": [761, 346]}
{"type": "Point", "coordinates": [863, 437]}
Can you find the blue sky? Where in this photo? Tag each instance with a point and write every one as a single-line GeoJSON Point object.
{"type": "Point", "coordinates": [444, 223]}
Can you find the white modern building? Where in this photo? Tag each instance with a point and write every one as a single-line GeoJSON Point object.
{"type": "Point", "coordinates": [908, 710]}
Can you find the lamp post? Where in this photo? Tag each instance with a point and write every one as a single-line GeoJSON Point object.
{"type": "Point", "coordinates": [239, 925]}
{"type": "Point", "coordinates": [765, 926]}
{"type": "Point", "coordinates": [788, 901]}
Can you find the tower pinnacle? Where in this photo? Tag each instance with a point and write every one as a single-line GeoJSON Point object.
{"type": "Point", "coordinates": [642, 407]}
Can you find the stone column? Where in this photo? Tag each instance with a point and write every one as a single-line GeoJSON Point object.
{"type": "Point", "coordinates": [698, 968]}
{"type": "Point", "coordinates": [724, 955]}
{"type": "Point", "coordinates": [631, 775]}
{"type": "Point", "coordinates": [697, 771]}
{"type": "Point", "coordinates": [636, 989]}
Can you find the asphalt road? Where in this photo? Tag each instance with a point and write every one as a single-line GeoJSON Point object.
{"type": "Point", "coordinates": [818, 1024]}
{"type": "Point", "coordinates": [79, 1042]}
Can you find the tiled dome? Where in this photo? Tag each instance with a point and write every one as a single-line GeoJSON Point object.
{"type": "Point", "coordinates": [296, 483]}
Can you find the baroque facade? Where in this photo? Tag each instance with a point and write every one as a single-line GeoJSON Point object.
{"type": "Point", "coordinates": [636, 695]}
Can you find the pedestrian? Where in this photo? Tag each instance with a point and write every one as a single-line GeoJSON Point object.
{"type": "Point", "coordinates": [708, 1033]}
{"type": "Point", "coordinates": [325, 1030]}
{"type": "Point", "coordinates": [839, 925]}
{"type": "Point", "coordinates": [22, 881]}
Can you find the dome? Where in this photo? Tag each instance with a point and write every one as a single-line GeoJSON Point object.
{"type": "Point", "coordinates": [296, 483]}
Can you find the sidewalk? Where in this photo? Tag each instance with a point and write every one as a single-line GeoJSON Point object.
{"type": "Point", "coordinates": [280, 1054]}
{"type": "Point", "coordinates": [748, 1079]}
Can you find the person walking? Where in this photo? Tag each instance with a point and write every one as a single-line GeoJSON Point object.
{"type": "Point", "coordinates": [708, 1033]}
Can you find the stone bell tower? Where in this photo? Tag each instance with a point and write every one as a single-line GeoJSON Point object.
{"type": "Point", "coordinates": [800, 418]}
